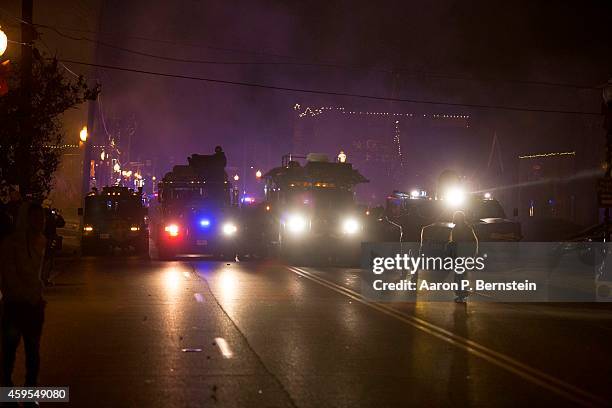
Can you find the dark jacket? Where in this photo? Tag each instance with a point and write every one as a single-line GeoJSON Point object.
{"type": "Point", "coordinates": [464, 241]}
{"type": "Point", "coordinates": [21, 260]}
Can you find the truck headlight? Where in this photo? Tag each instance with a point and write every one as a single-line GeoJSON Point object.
{"type": "Point", "coordinates": [350, 226]}
{"type": "Point", "coordinates": [454, 197]}
{"type": "Point", "coordinates": [229, 228]}
{"type": "Point", "coordinates": [88, 228]}
{"type": "Point", "coordinates": [172, 230]}
{"type": "Point", "coordinates": [297, 223]}
{"type": "Point", "coordinates": [134, 228]}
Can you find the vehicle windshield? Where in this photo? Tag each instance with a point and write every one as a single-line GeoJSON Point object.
{"type": "Point", "coordinates": [321, 198]}
{"type": "Point", "coordinates": [474, 210]}
{"type": "Point", "coordinates": [437, 211]}
{"type": "Point", "coordinates": [195, 195]}
{"type": "Point", "coordinates": [103, 207]}
{"type": "Point", "coordinates": [486, 209]}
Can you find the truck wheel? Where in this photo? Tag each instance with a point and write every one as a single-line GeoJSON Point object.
{"type": "Point", "coordinates": [165, 254]}
{"type": "Point", "coordinates": [142, 248]}
{"type": "Point", "coordinates": [88, 248]}
{"type": "Point", "coordinates": [290, 255]}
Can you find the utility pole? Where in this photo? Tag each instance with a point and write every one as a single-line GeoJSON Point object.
{"type": "Point", "coordinates": [87, 144]}
{"type": "Point", "coordinates": [27, 40]}
{"type": "Point", "coordinates": [607, 182]}
{"type": "Point", "coordinates": [91, 120]}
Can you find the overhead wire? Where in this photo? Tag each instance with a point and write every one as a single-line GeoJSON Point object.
{"type": "Point", "coordinates": [60, 62]}
{"type": "Point", "coordinates": [331, 65]}
{"type": "Point", "coordinates": [311, 91]}
{"type": "Point", "coordinates": [330, 93]}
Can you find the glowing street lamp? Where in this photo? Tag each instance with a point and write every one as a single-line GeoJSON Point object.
{"type": "Point", "coordinates": [83, 134]}
{"type": "Point", "coordinates": [117, 168]}
{"type": "Point", "coordinates": [342, 157]}
{"type": "Point", "coordinates": [258, 174]}
{"type": "Point", "coordinates": [236, 178]}
{"type": "Point", "coordinates": [3, 42]}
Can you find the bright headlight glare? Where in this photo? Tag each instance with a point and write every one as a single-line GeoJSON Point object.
{"type": "Point", "coordinates": [454, 197]}
{"type": "Point", "coordinates": [296, 223]}
{"type": "Point", "coordinates": [229, 228]}
{"type": "Point", "coordinates": [88, 228]}
{"type": "Point", "coordinates": [350, 226]}
{"type": "Point", "coordinates": [172, 230]}
{"type": "Point", "coordinates": [134, 228]}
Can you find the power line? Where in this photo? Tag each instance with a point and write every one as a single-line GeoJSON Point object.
{"type": "Point", "coordinates": [211, 62]}
{"type": "Point", "coordinates": [61, 63]}
{"type": "Point", "coordinates": [101, 111]}
{"type": "Point", "coordinates": [329, 93]}
{"type": "Point", "coordinates": [14, 16]}
{"type": "Point", "coordinates": [168, 42]}
{"type": "Point", "coordinates": [331, 65]}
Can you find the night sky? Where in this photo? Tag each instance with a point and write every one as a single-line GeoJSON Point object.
{"type": "Point", "coordinates": [454, 51]}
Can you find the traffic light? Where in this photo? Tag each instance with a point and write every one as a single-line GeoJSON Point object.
{"type": "Point", "coordinates": [5, 68]}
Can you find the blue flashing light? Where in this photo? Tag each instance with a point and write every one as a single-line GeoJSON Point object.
{"type": "Point", "coordinates": [205, 223]}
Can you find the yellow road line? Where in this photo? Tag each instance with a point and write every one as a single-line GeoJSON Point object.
{"type": "Point", "coordinates": [510, 364]}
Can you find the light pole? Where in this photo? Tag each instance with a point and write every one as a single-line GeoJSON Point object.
{"type": "Point", "coordinates": [23, 150]}
{"type": "Point", "coordinates": [607, 112]}
{"type": "Point", "coordinates": [87, 145]}
{"type": "Point", "coordinates": [85, 142]}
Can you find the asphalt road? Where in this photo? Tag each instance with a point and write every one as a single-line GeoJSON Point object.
{"type": "Point", "coordinates": [121, 331]}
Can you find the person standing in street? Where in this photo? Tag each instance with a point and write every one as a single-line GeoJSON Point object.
{"type": "Point", "coordinates": [21, 257]}
{"type": "Point", "coordinates": [53, 221]}
{"type": "Point", "coordinates": [463, 243]}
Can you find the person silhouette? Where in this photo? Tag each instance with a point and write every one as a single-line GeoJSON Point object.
{"type": "Point", "coordinates": [220, 156]}
{"type": "Point", "coordinates": [463, 243]}
{"type": "Point", "coordinates": [23, 303]}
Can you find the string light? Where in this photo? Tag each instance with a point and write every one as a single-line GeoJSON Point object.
{"type": "Point", "coordinates": [62, 146]}
{"type": "Point", "coordinates": [315, 111]}
{"type": "Point", "coordinates": [398, 143]}
{"type": "Point", "coordinates": [533, 156]}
